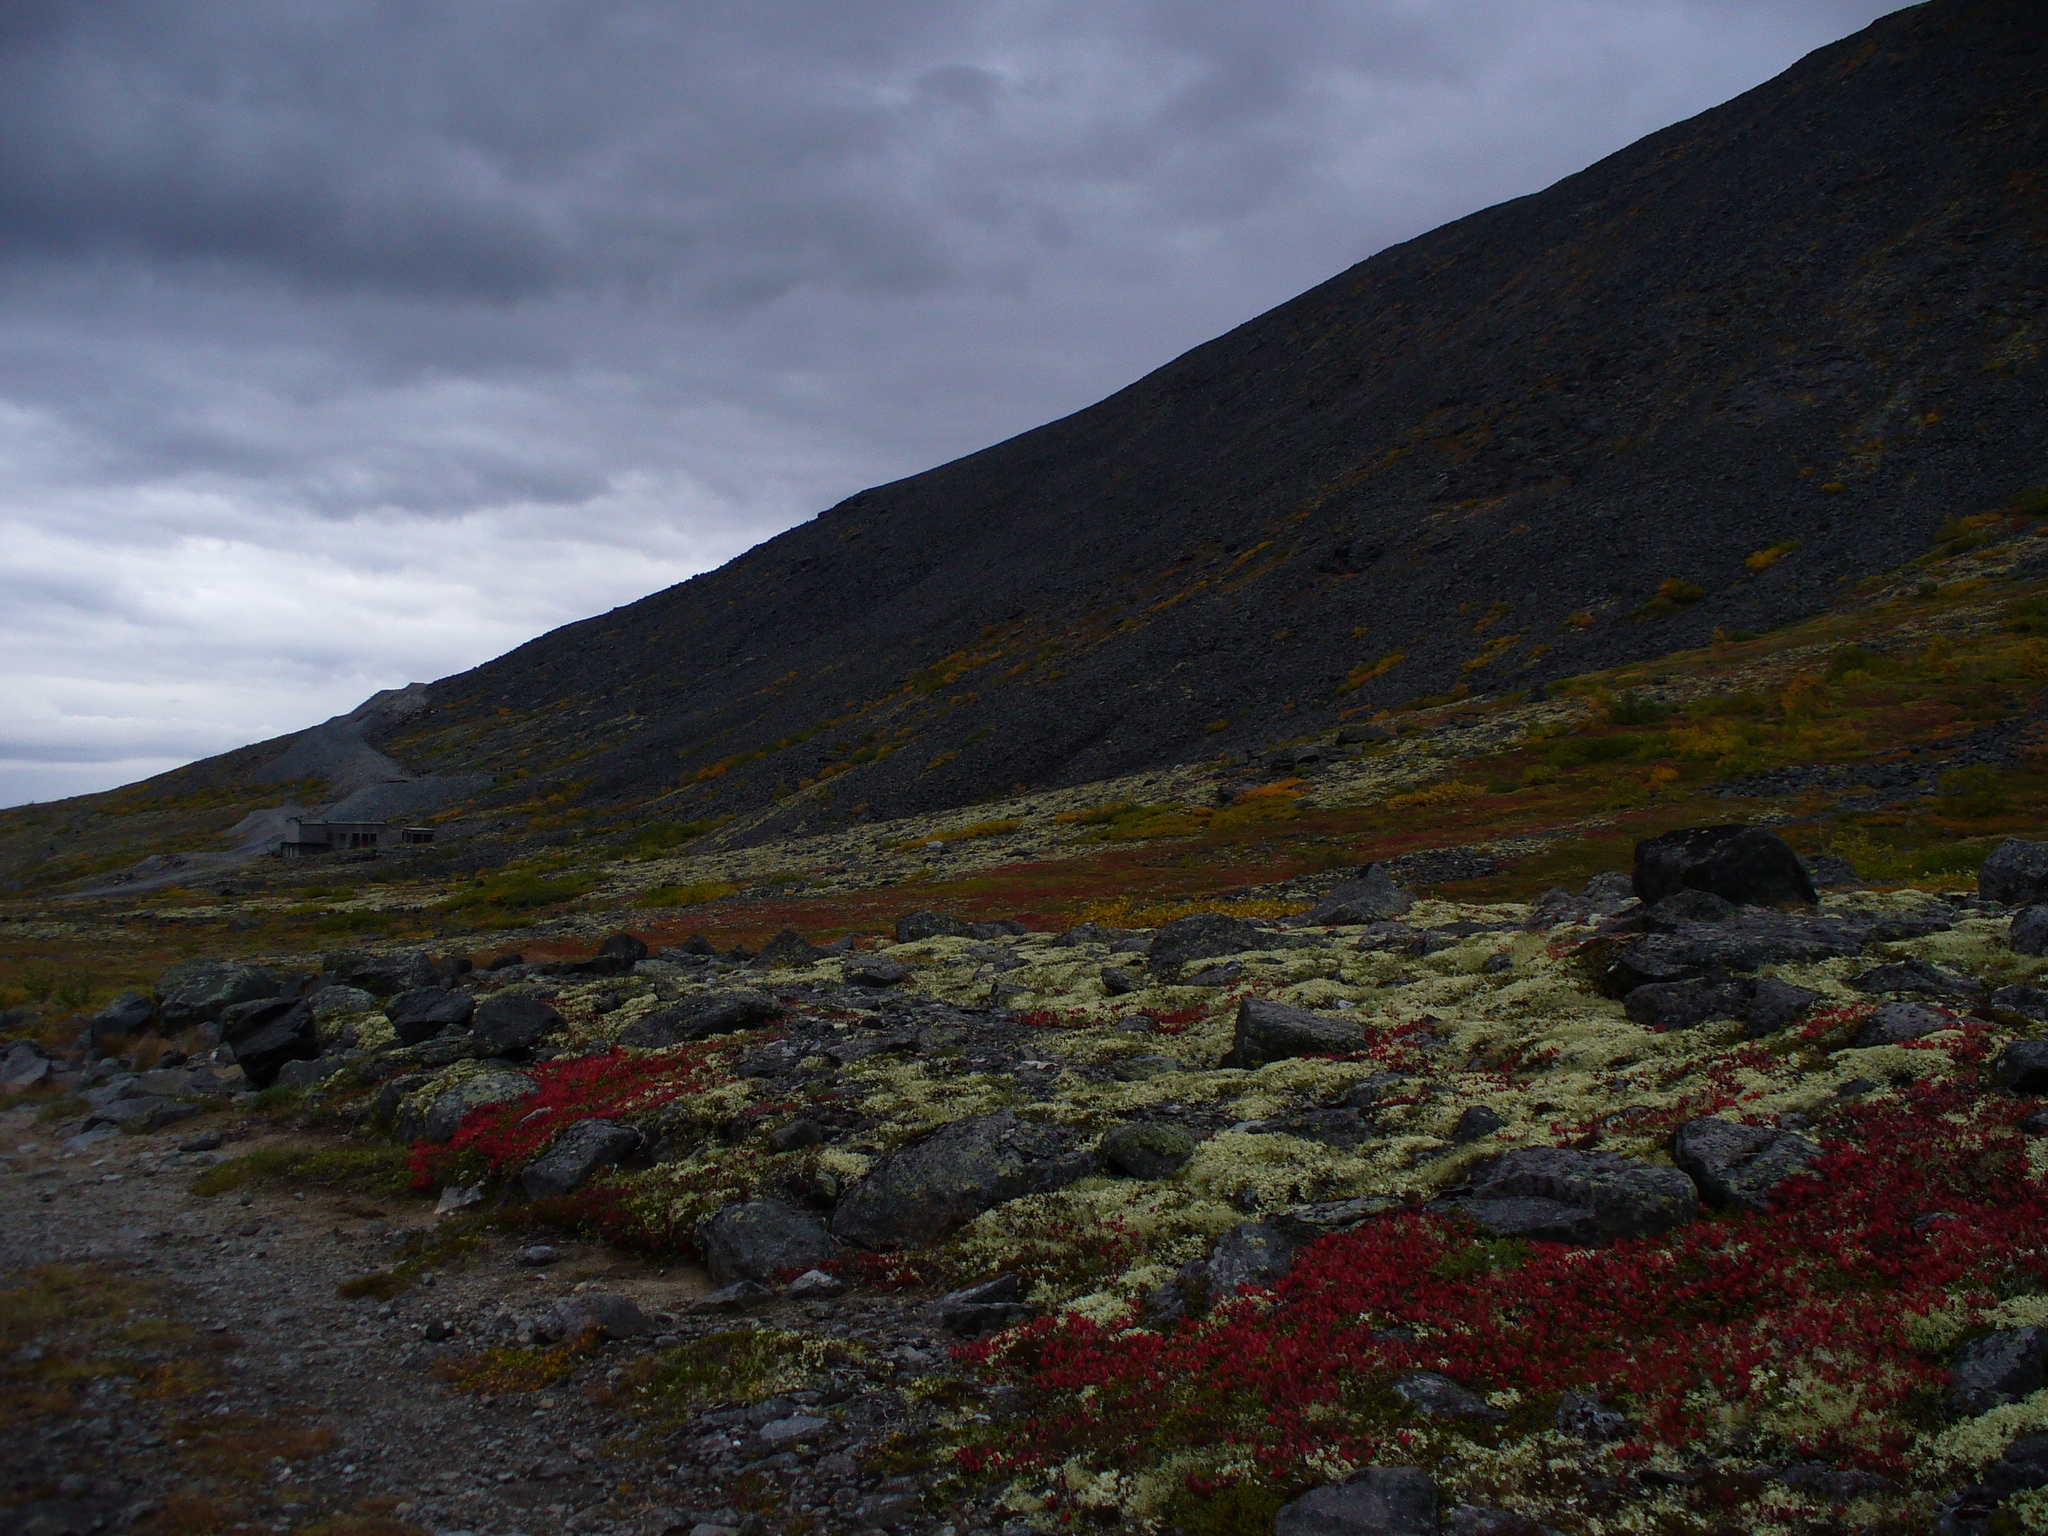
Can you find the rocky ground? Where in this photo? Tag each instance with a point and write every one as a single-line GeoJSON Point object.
{"type": "Point", "coordinates": [981, 1227]}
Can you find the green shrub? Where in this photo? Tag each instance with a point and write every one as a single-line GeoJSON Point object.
{"type": "Point", "coordinates": [1853, 658]}
{"type": "Point", "coordinates": [659, 836]}
{"type": "Point", "coordinates": [1578, 751]}
{"type": "Point", "coordinates": [512, 892]}
{"type": "Point", "coordinates": [2032, 502]}
{"type": "Point", "coordinates": [2028, 616]}
{"type": "Point", "coordinates": [694, 894]}
{"type": "Point", "coordinates": [1633, 709]}
{"type": "Point", "coordinates": [1975, 791]}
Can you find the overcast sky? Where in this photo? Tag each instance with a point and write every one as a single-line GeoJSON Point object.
{"type": "Point", "coordinates": [346, 343]}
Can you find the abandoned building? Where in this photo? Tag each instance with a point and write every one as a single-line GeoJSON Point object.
{"type": "Point", "coordinates": [304, 837]}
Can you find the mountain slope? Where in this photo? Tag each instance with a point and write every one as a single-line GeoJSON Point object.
{"type": "Point", "coordinates": [1809, 321]}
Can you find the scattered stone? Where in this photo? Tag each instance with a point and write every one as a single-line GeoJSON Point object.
{"type": "Point", "coordinates": [2029, 934]}
{"type": "Point", "coordinates": [2023, 1066]}
{"type": "Point", "coordinates": [2015, 873]}
{"type": "Point", "coordinates": [1268, 1031]}
{"type": "Point", "coordinates": [1442, 1398]}
{"type": "Point", "coordinates": [2028, 1002]}
{"type": "Point", "coordinates": [132, 1013]}
{"type": "Point", "coordinates": [1745, 943]}
{"type": "Point", "coordinates": [1117, 981]}
{"type": "Point", "coordinates": [270, 1035]}
{"type": "Point", "coordinates": [1475, 1124]}
{"type": "Point", "coordinates": [1896, 1023]}
{"type": "Point", "coordinates": [426, 1012]}
{"type": "Point", "coordinates": [200, 991]}
{"type": "Point", "coordinates": [1918, 976]}
{"type": "Point", "coordinates": [1673, 912]}
{"type": "Point", "coordinates": [1555, 1194]}
{"type": "Point", "coordinates": [1371, 897]}
{"type": "Point", "coordinates": [205, 1141]}
{"type": "Point", "coordinates": [441, 1116]}
{"type": "Point", "coordinates": [1252, 1253]}
{"type": "Point", "coordinates": [1776, 1005]}
{"type": "Point", "coordinates": [933, 1187]}
{"type": "Point", "coordinates": [1374, 1501]}
{"type": "Point", "coordinates": [458, 1197]}
{"type": "Point", "coordinates": [793, 1135]}
{"type": "Point", "coordinates": [1584, 1415]}
{"type": "Point", "coordinates": [736, 1297]}
{"type": "Point", "coordinates": [1745, 865]}
{"type": "Point", "coordinates": [1998, 1367]}
{"type": "Point", "coordinates": [623, 946]}
{"type": "Point", "coordinates": [515, 1021]}
{"type": "Point", "coordinates": [304, 1074]}
{"type": "Point", "coordinates": [816, 1284]}
{"type": "Point", "coordinates": [713, 1013]}
{"type": "Point", "coordinates": [913, 926]}
{"type": "Point", "coordinates": [989, 1307]}
{"type": "Point", "coordinates": [334, 1002]}
{"type": "Point", "coordinates": [878, 973]}
{"type": "Point", "coordinates": [594, 1312]}
{"type": "Point", "coordinates": [1837, 1485]}
{"type": "Point", "coordinates": [574, 1155]}
{"type": "Point", "coordinates": [537, 1255]}
{"type": "Point", "coordinates": [1208, 936]}
{"type": "Point", "coordinates": [1734, 1164]}
{"type": "Point", "coordinates": [2023, 1465]}
{"type": "Point", "coordinates": [789, 948]}
{"type": "Point", "coordinates": [1667, 1005]}
{"type": "Point", "coordinates": [1146, 1150]}
{"type": "Point", "coordinates": [763, 1240]}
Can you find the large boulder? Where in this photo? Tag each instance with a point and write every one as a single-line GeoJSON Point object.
{"type": "Point", "coordinates": [1373, 1501]}
{"type": "Point", "coordinates": [1744, 943]}
{"type": "Point", "coordinates": [1252, 1253]}
{"type": "Point", "coordinates": [574, 1155]}
{"type": "Point", "coordinates": [265, 1038]}
{"type": "Point", "coordinates": [131, 1013]}
{"type": "Point", "coordinates": [935, 1186]}
{"type": "Point", "coordinates": [2016, 873]}
{"type": "Point", "coordinates": [1735, 1164]}
{"type": "Point", "coordinates": [2023, 1066]}
{"type": "Point", "coordinates": [2029, 934]}
{"type": "Point", "coordinates": [1555, 1194]}
{"type": "Point", "coordinates": [623, 946]}
{"type": "Point", "coordinates": [442, 1114]}
{"type": "Point", "coordinates": [600, 1314]}
{"type": "Point", "coordinates": [381, 975]}
{"type": "Point", "coordinates": [425, 1012]}
{"type": "Point", "coordinates": [334, 1002]}
{"type": "Point", "coordinates": [1145, 1150]}
{"type": "Point", "coordinates": [515, 1021]}
{"type": "Point", "coordinates": [913, 926]}
{"type": "Point", "coordinates": [1206, 936]}
{"type": "Point", "coordinates": [200, 991]}
{"type": "Point", "coordinates": [1896, 1023]}
{"type": "Point", "coordinates": [1270, 1031]}
{"type": "Point", "coordinates": [699, 1018]}
{"type": "Point", "coordinates": [789, 948]}
{"type": "Point", "coordinates": [1372, 897]}
{"type": "Point", "coordinates": [764, 1241]}
{"type": "Point", "coordinates": [1746, 865]}
{"type": "Point", "coordinates": [1913, 975]}
{"type": "Point", "coordinates": [1997, 1368]}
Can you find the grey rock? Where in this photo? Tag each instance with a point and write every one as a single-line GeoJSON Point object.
{"type": "Point", "coordinates": [792, 1135]}
{"type": "Point", "coordinates": [913, 926]}
{"type": "Point", "coordinates": [764, 1240]}
{"type": "Point", "coordinates": [1673, 912]}
{"type": "Point", "coordinates": [23, 1066]}
{"type": "Point", "coordinates": [789, 948]}
{"type": "Point", "coordinates": [1745, 865]}
{"type": "Point", "coordinates": [338, 1001]}
{"type": "Point", "coordinates": [699, 1018]}
{"type": "Point", "coordinates": [878, 973]}
{"type": "Point", "coordinates": [515, 1021]}
{"type": "Point", "coordinates": [1744, 943]}
{"type": "Point", "coordinates": [1918, 976]}
{"type": "Point", "coordinates": [131, 1013]}
{"type": "Point", "coordinates": [2028, 1002]}
{"type": "Point", "coordinates": [1305, 1223]}
{"type": "Point", "coordinates": [200, 991]}
{"type": "Point", "coordinates": [425, 1012]}
{"type": "Point", "coordinates": [574, 1155]}
{"type": "Point", "coordinates": [1831, 872]}
{"type": "Point", "coordinates": [1146, 1150]}
{"type": "Point", "coordinates": [537, 1255]}
{"type": "Point", "coordinates": [1475, 1124]}
{"type": "Point", "coordinates": [933, 1187]}
{"type": "Point", "coordinates": [2029, 935]}
{"type": "Point", "coordinates": [1776, 1005]}
{"type": "Point", "coordinates": [205, 1141]}
{"type": "Point", "coordinates": [1116, 981]}
{"type": "Point", "coordinates": [595, 1312]}
{"type": "Point", "coordinates": [1896, 1023]}
{"type": "Point", "coordinates": [1837, 1485]}
{"type": "Point", "coordinates": [1208, 936]}
{"type": "Point", "coordinates": [304, 1074]}
{"type": "Point", "coordinates": [1996, 1368]}
{"type": "Point", "coordinates": [1739, 1165]}
{"type": "Point", "coordinates": [1483, 1520]}
{"type": "Point", "coordinates": [2016, 872]}
{"type": "Point", "coordinates": [1374, 1501]}
{"type": "Point", "coordinates": [986, 1308]}
{"type": "Point", "coordinates": [2023, 1465]}
{"type": "Point", "coordinates": [887, 1510]}
{"type": "Point", "coordinates": [1252, 1253]}
{"type": "Point", "coordinates": [2023, 1066]}
{"type": "Point", "coordinates": [1665, 1005]}
{"type": "Point", "coordinates": [815, 1283]}
{"type": "Point", "coordinates": [1584, 1415]}
{"type": "Point", "coordinates": [1372, 897]}
{"type": "Point", "coordinates": [1442, 1398]}
{"type": "Point", "coordinates": [275, 1032]}
{"type": "Point", "coordinates": [1555, 1194]}
{"type": "Point", "coordinates": [623, 946]}
{"type": "Point", "coordinates": [441, 1117]}
{"type": "Point", "coordinates": [1269, 1031]}
{"type": "Point", "coordinates": [797, 1429]}
{"type": "Point", "coordinates": [737, 1297]}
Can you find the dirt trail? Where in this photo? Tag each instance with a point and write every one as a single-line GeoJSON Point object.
{"type": "Point", "coordinates": [271, 1402]}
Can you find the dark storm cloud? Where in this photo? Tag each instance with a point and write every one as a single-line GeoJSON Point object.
{"type": "Point", "coordinates": [344, 342]}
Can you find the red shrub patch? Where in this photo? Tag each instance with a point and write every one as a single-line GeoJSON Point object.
{"type": "Point", "coordinates": [1759, 1313]}
{"type": "Point", "coordinates": [500, 1137]}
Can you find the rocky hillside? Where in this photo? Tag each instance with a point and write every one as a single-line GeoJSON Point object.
{"type": "Point", "coordinates": [1691, 390]}
{"type": "Point", "coordinates": [1587, 1214]}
